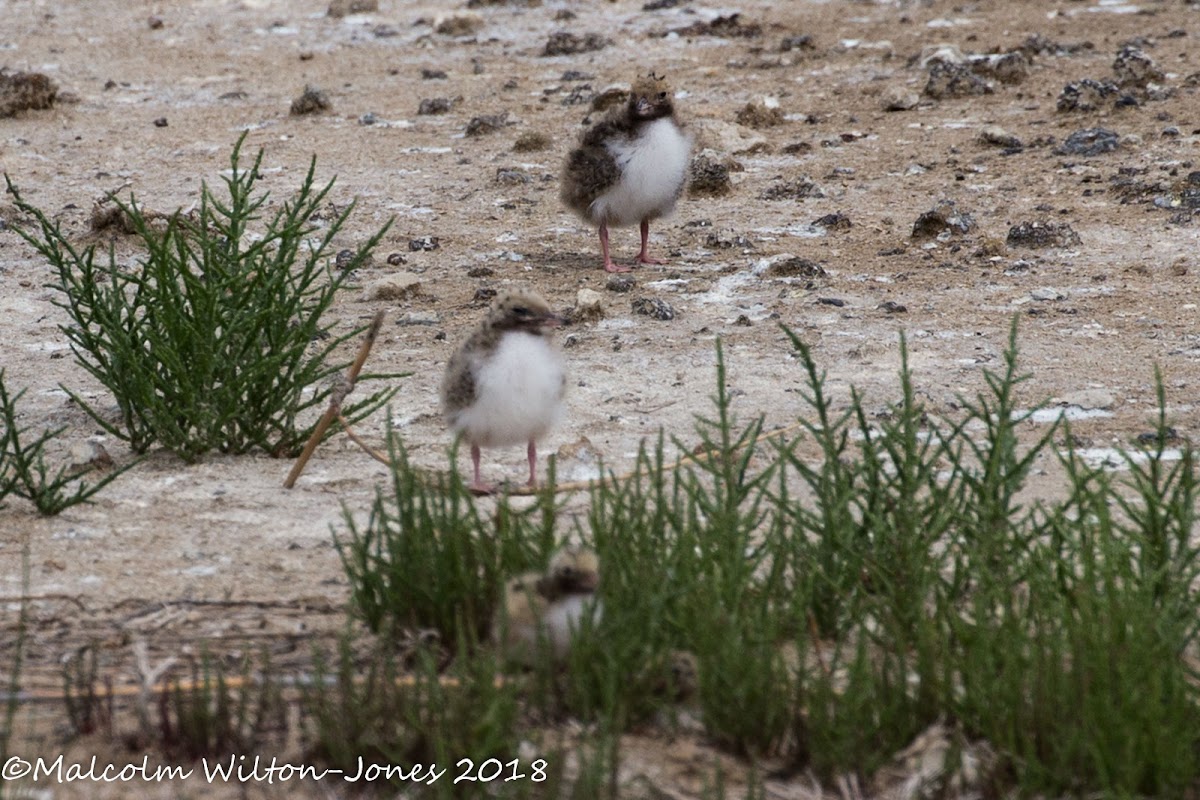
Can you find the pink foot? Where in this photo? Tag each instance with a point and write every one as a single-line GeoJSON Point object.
{"type": "Point", "coordinates": [644, 258]}
{"type": "Point", "coordinates": [611, 266]}
{"type": "Point", "coordinates": [482, 489]}
{"type": "Point", "coordinates": [644, 254]}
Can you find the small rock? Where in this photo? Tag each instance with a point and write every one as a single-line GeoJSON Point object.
{"type": "Point", "coordinates": [892, 307]}
{"type": "Point", "coordinates": [458, 24]}
{"type": "Point", "coordinates": [343, 259]}
{"type": "Point", "coordinates": [342, 8]}
{"type": "Point", "coordinates": [434, 105]}
{"type": "Point", "coordinates": [160, 122]}
{"type": "Point", "coordinates": [726, 137]}
{"type": "Point", "coordinates": [1085, 95]}
{"type": "Point", "coordinates": [942, 53]}
{"type": "Point", "coordinates": [727, 26]}
{"type": "Point", "coordinates": [480, 272]}
{"type": "Point", "coordinates": [943, 220]}
{"type": "Point", "coordinates": [424, 243]}
{"type": "Point", "coordinates": [1045, 294]}
{"type": "Point", "coordinates": [531, 142]}
{"type": "Point", "coordinates": [833, 222]}
{"type": "Point", "coordinates": [368, 118]}
{"type": "Point", "coordinates": [759, 115]}
{"type": "Point", "coordinates": [88, 456]}
{"type": "Point", "coordinates": [25, 91]}
{"type": "Point", "coordinates": [396, 259]}
{"type": "Point", "coordinates": [433, 74]}
{"type": "Point", "coordinates": [512, 176]}
{"type": "Point", "coordinates": [995, 135]}
{"type": "Point", "coordinates": [401, 286]}
{"type": "Point", "coordinates": [654, 308]}
{"type": "Point", "coordinates": [484, 295]}
{"type": "Point", "coordinates": [311, 101]}
{"type": "Point", "coordinates": [709, 175]}
{"type": "Point", "coordinates": [795, 267]}
{"type": "Point", "coordinates": [620, 284]}
{"type": "Point", "coordinates": [565, 43]}
{"type": "Point", "coordinates": [900, 98]}
{"type": "Point", "coordinates": [954, 80]}
{"type": "Point", "coordinates": [836, 302]}
{"type": "Point", "coordinates": [802, 42]}
{"type": "Point", "coordinates": [488, 123]}
{"type": "Point", "coordinates": [155, 23]}
{"type": "Point", "coordinates": [1134, 68]}
{"type": "Point", "coordinates": [801, 188]}
{"type": "Point", "coordinates": [1008, 68]}
{"type": "Point", "coordinates": [578, 461]}
{"type": "Point", "coordinates": [1036, 235]}
{"type": "Point", "coordinates": [589, 306]}
{"type": "Point", "coordinates": [1089, 142]}
{"type": "Point", "coordinates": [419, 318]}
{"type": "Point", "coordinates": [742, 321]}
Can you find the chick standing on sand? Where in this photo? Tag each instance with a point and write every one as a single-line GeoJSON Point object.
{"type": "Point", "coordinates": [505, 383]}
{"type": "Point", "coordinates": [630, 167]}
{"type": "Point", "coordinates": [548, 607]}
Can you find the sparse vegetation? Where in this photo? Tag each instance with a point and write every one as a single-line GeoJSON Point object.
{"type": "Point", "coordinates": [215, 338]}
{"type": "Point", "coordinates": [23, 468]}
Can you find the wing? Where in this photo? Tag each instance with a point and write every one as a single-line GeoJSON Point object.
{"type": "Point", "coordinates": [458, 386]}
{"type": "Point", "coordinates": [589, 172]}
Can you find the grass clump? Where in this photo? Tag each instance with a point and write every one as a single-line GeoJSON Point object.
{"type": "Point", "coordinates": [23, 468]}
{"type": "Point", "coordinates": [214, 339]}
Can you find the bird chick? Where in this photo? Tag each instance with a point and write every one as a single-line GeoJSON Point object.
{"type": "Point", "coordinates": [630, 167]}
{"type": "Point", "coordinates": [505, 383]}
{"type": "Point", "coordinates": [548, 607]}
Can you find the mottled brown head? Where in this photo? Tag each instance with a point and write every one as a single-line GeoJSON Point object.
{"type": "Point", "coordinates": [651, 98]}
{"type": "Point", "coordinates": [572, 571]}
{"type": "Point", "coordinates": [522, 310]}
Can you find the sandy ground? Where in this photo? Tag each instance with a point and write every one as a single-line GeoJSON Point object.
{"type": "Point", "coordinates": [218, 552]}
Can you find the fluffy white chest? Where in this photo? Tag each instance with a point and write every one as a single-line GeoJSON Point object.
{"type": "Point", "coordinates": [653, 167]}
{"type": "Point", "coordinates": [518, 392]}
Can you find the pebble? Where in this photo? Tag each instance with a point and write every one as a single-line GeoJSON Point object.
{"type": "Point", "coordinates": [954, 80]}
{"type": "Point", "coordinates": [434, 105]}
{"type": "Point", "coordinates": [1085, 95]}
{"type": "Point", "coordinates": [565, 43]}
{"type": "Point", "coordinates": [654, 308]}
{"type": "Point", "coordinates": [589, 306]}
{"type": "Point", "coordinates": [942, 221]}
{"type": "Point", "coordinates": [25, 91]}
{"type": "Point", "coordinates": [487, 123]}
{"type": "Point", "coordinates": [900, 98]}
{"type": "Point", "coordinates": [1135, 68]}
{"type": "Point", "coordinates": [620, 284]}
{"type": "Point", "coordinates": [995, 135]}
{"type": "Point", "coordinates": [342, 8]}
{"type": "Point", "coordinates": [1037, 235]}
{"type": "Point", "coordinates": [424, 243]}
{"type": "Point", "coordinates": [1089, 142]}
{"type": "Point", "coordinates": [709, 175]}
{"type": "Point", "coordinates": [419, 318]}
{"type": "Point", "coordinates": [531, 142]}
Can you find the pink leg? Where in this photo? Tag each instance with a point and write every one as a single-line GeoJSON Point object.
{"type": "Point", "coordinates": [532, 453]}
{"type": "Point", "coordinates": [609, 266]}
{"type": "Point", "coordinates": [644, 255]}
{"type": "Point", "coordinates": [478, 486]}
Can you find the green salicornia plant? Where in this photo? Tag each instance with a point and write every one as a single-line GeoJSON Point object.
{"type": "Point", "coordinates": [23, 468]}
{"type": "Point", "coordinates": [214, 339]}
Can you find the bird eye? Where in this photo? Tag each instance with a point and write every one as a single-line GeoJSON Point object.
{"type": "Point", "coordinates": [662, 95]}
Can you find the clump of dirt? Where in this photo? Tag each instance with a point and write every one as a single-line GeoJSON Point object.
{"type": "Point", "coordinates": [25, 91]}
{"type": "Point", "coordinates": [801, 188]}
{"type": "Point", "coordinates": [947, 79]}
{"type": "Point", "coordinates": [430, 106]}
{"type": "Point", "coordinates": [311, 101]}
{"type": "Point", "coordinates": [654, 308]}
{"type": "Point", "coordinates": [796, 267]}
{"type": "Point", "coordinates": [1089, 142]}
{"type": "Point", "coordinates": [342, 8]}
{"type": "Point", "coordinates": [709, 176]}
{"type": "Point", "coordinates": [1038, 235]}
{"type": "Point", "coordinates": [728, 26]}
{"type": "Point", "coordinates": [486, 123]}
{"type": "Point", "coordinates": [531, 142]}
{"type": "Point", "coordinates": [758, 115]}
{"type": "Point", "coordinates": [833, 222]}
{"type": "Point", "coordinates": [1134, 68]}
{"type": "Point", "coordinates": [944, 219]}
{"type": "Point", "coordinates": [565, 43]}
{"type": "Point", "coordinates": [458, 24]}
{"type": "Point", "coordinates": [1086, 95]}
